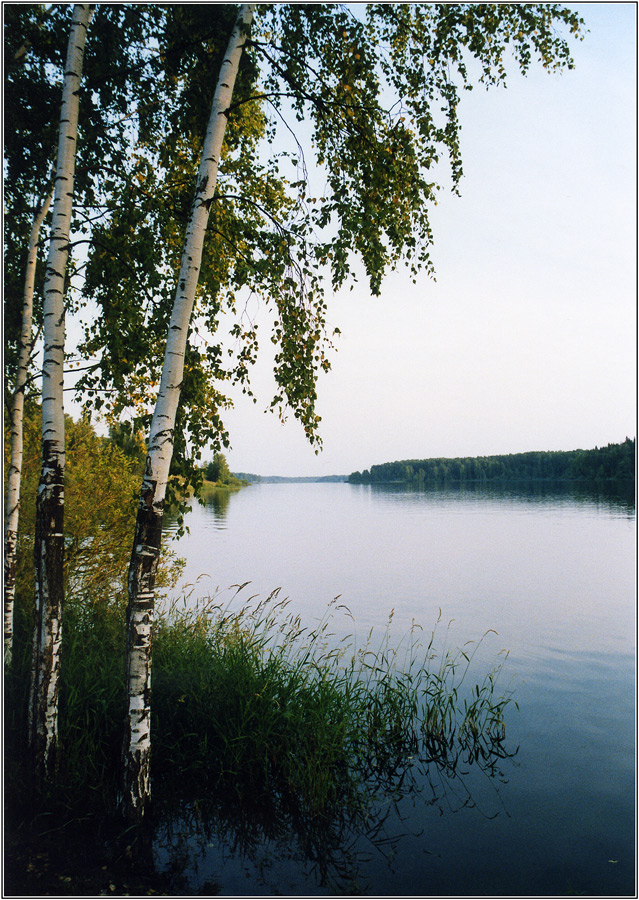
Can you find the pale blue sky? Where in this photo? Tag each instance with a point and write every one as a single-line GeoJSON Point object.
{"type": "Point", "coordinates": [527, 340]}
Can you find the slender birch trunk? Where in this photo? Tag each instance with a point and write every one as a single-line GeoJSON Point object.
{"type": "Point", "coordinates": [148, 531]}
{"type": "Point", "coordinates": [12, 502]}
{"type": "Point", "coordinates": [49, 533]}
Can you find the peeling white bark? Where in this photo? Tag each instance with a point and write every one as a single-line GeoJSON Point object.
{"type": "Point", "coordinates": [49, 537]}
{"type": "Point", "coordinates": [14, 476]}
{"type": "Point", "coordinates": [146, 548]}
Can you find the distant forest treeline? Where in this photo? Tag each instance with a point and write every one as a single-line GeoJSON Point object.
{"type": "Point", "coordinates": [285, 479]}
{"type": "Point", "coordinates": [616, 461]}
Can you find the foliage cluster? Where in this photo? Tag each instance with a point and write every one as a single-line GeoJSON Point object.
{"type": "Point", "coordinates": [115, 81]}
{"type": "Point", "coordinates": [98, 522]}
{"type": "Point", "coordinates": [218, 472]}
{"type": "Point", "coordinates": [616, 461]}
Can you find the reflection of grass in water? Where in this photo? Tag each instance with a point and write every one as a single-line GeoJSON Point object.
{"type": "Point", "coordinates": [262, 729]}
{"type": "Point", "coordinates": [266, 730]}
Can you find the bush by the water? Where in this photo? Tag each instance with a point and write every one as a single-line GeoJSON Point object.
{"type": "Point", "coordinates": [250, 698]}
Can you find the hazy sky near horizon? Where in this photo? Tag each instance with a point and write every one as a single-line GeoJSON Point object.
{"type": "Point", "coordinates": [527, 339]}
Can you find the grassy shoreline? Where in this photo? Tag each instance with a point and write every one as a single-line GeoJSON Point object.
{"type": "Point", "coordinates": [259, 725]}
{"type": "Point", "coordinates": [211, 487]}
{"type": "Point", "coordinates": [251, 710]}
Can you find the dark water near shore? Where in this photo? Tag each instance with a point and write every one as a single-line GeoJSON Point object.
{"type": "Point", "coordinates": [552, 573]}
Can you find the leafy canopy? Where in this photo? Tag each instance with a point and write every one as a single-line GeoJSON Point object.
{"type": "Point", "coordinates": [343, 128]}
{"type": "Point", "coordinates": [115, 81]}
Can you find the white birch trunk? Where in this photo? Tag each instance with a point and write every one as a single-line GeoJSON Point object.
{"type": "Point", "coordinates": [49, 534]}
{"type": "Point", "coordinates": [146, 547]}
{"type": "Point", "coordinates": [12, 501]}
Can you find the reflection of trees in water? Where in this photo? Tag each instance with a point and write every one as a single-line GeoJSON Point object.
{"type": "Point", "coordinates": [215, 500]}
{"type": "Point", "coordinates": [265, 828]}
{"type": "Point", "coordinates": [617, 495]}
{"type": "Point", "coordinates": [218, 502]}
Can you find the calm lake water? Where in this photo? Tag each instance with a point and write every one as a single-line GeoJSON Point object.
{"type": "Point", "coordinates": [554, 575]}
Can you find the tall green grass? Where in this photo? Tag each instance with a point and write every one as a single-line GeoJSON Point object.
{"type": "Point", "coordinates": [271, 732]}
{"type": "Point", "coordinates": [249, 699]}
{"type": "Point", "coordinates": [253, 709]}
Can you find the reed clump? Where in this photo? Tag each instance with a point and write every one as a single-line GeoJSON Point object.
{"type": "Point", "coordinates": [249, 702]}
{"type": "Point", "coordinates": [250, 705]}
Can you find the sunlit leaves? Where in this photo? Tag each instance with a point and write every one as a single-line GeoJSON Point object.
{"type": "Point", "coordinates": [98, 522]}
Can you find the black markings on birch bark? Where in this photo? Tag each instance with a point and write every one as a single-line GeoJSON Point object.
{"type": "Point", "coordinates": [14, 475]}
{"type": "Point", "coordinates": [49, 557]}
{"type": "Point", "coordinates": [49, 530]}
{"type": "Point", "coordinates": [137, 746]}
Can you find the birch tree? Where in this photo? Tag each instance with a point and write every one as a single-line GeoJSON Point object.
{"type": "Point", "coordinates": [378, 90]}
{"type": "Point", "coordinates": [12, 501]}
{"type": "Point", "coordinates": [148, 530]}
{"type": "Point", "coordinates": [49, 537]}
{"type": "Point", "coordinates": [116, 76]}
